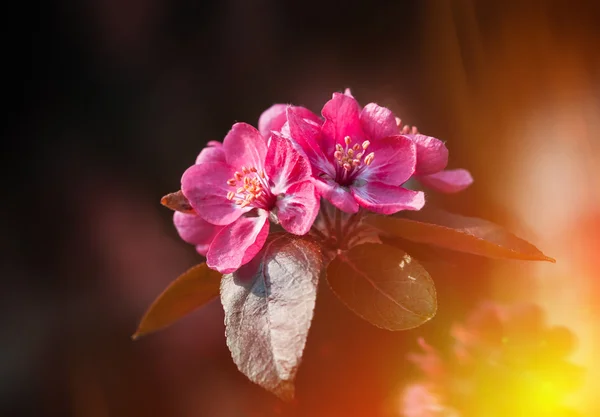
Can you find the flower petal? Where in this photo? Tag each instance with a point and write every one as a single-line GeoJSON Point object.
{"type": "Point", "coordinates": [298, 208]}
{"type": "Point", "coordinates": [432, 154]}
{"type": "Point", "coordinates": [205, 186]}
{"type": "Point", "coordinates": [387, 199]}
{"type": "Point", "coordinates": [394, 160]}
{"type": "Point", "coordinates": [245, 146]}
{"type": "Point", "coordinates": [195, 230]}
{"type": "Point", "coordinates": [337, 195]}
{"type": "Point", "coordinates": [213, 152]}
{"type": "Point", "coordinates": [237, 243]}
{"type": "Point", "coordinates": [448, 181]}
{"type": "Point", "coordinates": [342, 118]}
{"type": "Point", "coordinates": [307, 135]}
{"type": "Point", "coordinates": [378, 122]}
{"type": "Point", "coordinates": [284, 165]}
{"type": "Point", "coordinates": [272, 119]}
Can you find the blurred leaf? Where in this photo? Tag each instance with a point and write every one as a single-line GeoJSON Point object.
{"type": "Point", "coordinates": [189, 291]}
{"type": "Point", "coordinates": [560, 341]}
{"type": "Point", "coordinates": [177, 202]}
{"type": "Point", "coordinates": [460, 233]}
{"type": "Point", "coordinates": [383, 285]}
{"type": "Point", "coordinates": [269, 307]}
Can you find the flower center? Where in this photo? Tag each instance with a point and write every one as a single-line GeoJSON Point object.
{"type": "Point", "coordinates": [351, 160]}
{"type": "Point", "coordinates": [251, 189]}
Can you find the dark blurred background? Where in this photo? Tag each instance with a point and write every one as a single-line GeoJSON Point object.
{"type": "Point", "coordinates": [109, 101]}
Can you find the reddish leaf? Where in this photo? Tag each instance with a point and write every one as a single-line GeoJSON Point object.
{"type": "Point", "coordinates": [189, 291]}
{"type": "Point", "coordinates": [459, 233]}
{"type": "Point", "coordinates": [383, 285]}
{"type": "Point", "coordinates": [268, 307]}
{"type": "Point", "coordinates": [177, 202]}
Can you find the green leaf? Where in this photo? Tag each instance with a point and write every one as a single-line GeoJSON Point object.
{"type": "Point", "coordinates": [269, 307]}
{"type": "Point", "coordinates": [459, 233]}
{"type": "Point", "coordinates": [191, 290]}
{"type": "Point", "coordinates": [383, 285]}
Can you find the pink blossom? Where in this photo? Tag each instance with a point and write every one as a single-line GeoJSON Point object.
{"type": "Point", "coordinates": [358, 157]}
{"type": "Point", "coordinates": [432, 158]}
{"type": "Point", "coordinates": [246, 185]}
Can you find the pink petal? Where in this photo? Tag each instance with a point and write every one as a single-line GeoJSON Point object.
{"type": "Point", "coordinates": [299, 207]}
{"type": "Point", "coordinates": [272, 119]}
{"type": "Point", "coordinates": [195, 230]}
{"type": "Point", "coordinates": [378, 122]}
{"type": "Point", "coordinates": [307, 136]}
{"type": "Point", "coordinates": [245, 146]}
{"type": "Point", "coordinates": [284, 165]}
{"type": "Point", "coordinates": [237, 243]}
{"type": "Point", "coordinates": [448, 181]}
{"type": "Point", "coordinates": [308, 115]}
{"type": "Point", "coordinates": [337, 195]}
{"type": "Point", "coordinates": [394, 161]}
{"type": "Point", "coordinates": [387, 199]}
{"type": "Point", "coordinates": [205, 186]}
{"type": "Point", "coordinates": [341, 115]}
{"type": "Point", "coordinates": [432, 154]}
{"type": "Point", "coordinates": [348, 92]}
{"type": "Point", "coordinates": [213, 152]}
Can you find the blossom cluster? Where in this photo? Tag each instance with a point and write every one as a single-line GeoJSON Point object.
{"type": "Point", "coordinates": [355, 158]}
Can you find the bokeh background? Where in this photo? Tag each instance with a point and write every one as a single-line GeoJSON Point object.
{"type": "Point", "coordinates": [109, 101]}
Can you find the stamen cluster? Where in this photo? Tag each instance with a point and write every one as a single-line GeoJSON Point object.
{"type": "Point", "coordinates": [350, 157]}
{"type": "Point", "coordinates": [252, 188]}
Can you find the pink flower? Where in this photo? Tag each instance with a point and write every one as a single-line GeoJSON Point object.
{"type": "Point", "coordinates": [358, 157]}
{"type": "Point", "coordinates": [245, 185]}
{"type": "Point", "coordinates": [432, 158]}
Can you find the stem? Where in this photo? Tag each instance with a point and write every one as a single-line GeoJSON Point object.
{"type": "Point", "coordinates": [338, 225]}
{"type": "Point", "coordinates": [353, 227]}
{"type": "Point", "coordinates": [326, 219]}
{"type": "Point", "coordinates": [320, 234]}
{"type": "Point", "coordinates": [354, 219]}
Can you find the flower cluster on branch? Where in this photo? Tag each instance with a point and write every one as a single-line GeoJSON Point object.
{"type": "Point", "coordinates": [302, 197]}
{"type": "Point", "coordinates": [352, 157]}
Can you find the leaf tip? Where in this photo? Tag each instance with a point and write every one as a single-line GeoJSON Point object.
{"type": "Point", "coordinates": [136, 336]}
{"type": "Point", "coordinates": [286, 391]}
{"type": "Point", "coordinates": [177, 202]}
{"type": "Point", "coordinates": [549, 259]}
